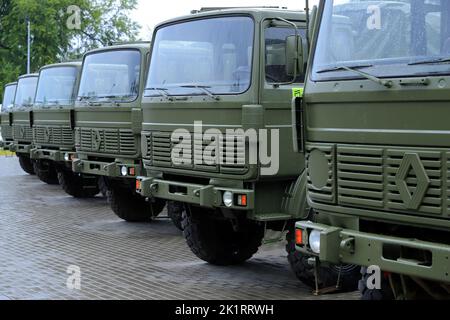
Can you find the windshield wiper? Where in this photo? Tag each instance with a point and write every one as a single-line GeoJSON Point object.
{"type": "Point", "coordinates": [205, 89]}
{"type": "Point", "coordinates": [85, 98]}
{"type": "Point", "coordinates": [430, 61]}
{"type": "Point", "coordinates": [162, 92]}
{"type": "Point", "coordinates": [354, 69]}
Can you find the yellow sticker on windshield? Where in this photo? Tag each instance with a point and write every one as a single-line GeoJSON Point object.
{"type": "Point", "coordinates": [297, 93]}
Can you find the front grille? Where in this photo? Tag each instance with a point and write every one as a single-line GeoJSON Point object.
{"type": "Point", "coordinates": [360, 176]}
{"type": "Point", "coordinates": [432, 162]}
{"type": "Point", "coordinates": [389, 179]}
{"type": "Point", "coordinates": [59, 136]}
{"type": "Point", "coordinates": [158, 147]}
{"type": "Point", "coordinates": [22, 133]}
{"type": "Point", "coordinates": [108, 141]}
{"type": "Point", "coordinates": [447, 182]}
{"type": "Point", "coordinates": [7, 132]}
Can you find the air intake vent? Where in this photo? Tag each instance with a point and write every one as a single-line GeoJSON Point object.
{"type": "Point", "coordinates": [23, 133]}
{"type": "Point", "coordinates": [158, 146]}
{"type": "Point", "coordinates": [107, 141]}
{"type": "Point", "coordinates": [360, 176]}
{"type": "Point", "coordinates": [53, 136]}
{"type": "Point", "coordinates": [7, 132]}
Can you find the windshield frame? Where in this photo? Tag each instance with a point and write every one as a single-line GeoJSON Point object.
{"type": "Point", "coordinates": [369, 65]}
{"type": "Point", "coordinates": [142, 58]}
{"type": "Point", "coordinates": [11, 106]}
{"type": "Point", "coordinates": [203, 18]}
{"type": "Point", "coordinates": [74, 90]}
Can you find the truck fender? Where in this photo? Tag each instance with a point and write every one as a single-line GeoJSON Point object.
{"type": "Point", "coordinates": [297, 205]}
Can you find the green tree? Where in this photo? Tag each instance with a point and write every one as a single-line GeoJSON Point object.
{"type": "Point", "coordinates": [55, 37]}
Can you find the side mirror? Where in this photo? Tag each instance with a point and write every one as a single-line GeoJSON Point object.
{"type": "Point", "coordinates": [294, 56]}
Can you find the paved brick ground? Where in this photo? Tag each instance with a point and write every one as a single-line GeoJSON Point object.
{"type": "Point", "coordinates": [43, 232]}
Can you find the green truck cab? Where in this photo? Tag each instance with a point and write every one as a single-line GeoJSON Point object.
{"type": "Point", "coordinates": [21, 118]}
{"type": "Point", "coordinates": [217, 79]}
{"type": "Point", "coordinates": [108, 122]}
{"type": "Point", "coordinates": [5, 123]}
{"type": "Point", "coordinates": [378, 145]}
{"type": "Point", "coordinates": [53, 129]}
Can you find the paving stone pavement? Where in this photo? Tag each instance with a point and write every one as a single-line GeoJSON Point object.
{"type": "Point", "coordinates": [43, 232]}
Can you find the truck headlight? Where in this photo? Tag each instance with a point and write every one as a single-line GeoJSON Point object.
{"type": "Point", "coordinates": [124, 171]}
{"type": "Point", "coordinates": [67, 157]}
{"type": "Point", "coordinates": [228, 198]}
{"type": "Point", "coordinates": [314, 241]}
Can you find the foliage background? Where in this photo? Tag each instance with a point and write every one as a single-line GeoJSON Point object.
{"type": "Point", "coordinates": [103, 22]}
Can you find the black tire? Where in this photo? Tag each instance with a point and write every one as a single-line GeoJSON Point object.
{"type": "Point", "coordinates": [214, 241]}
{"type": "Point", "coordinates": [46, 171]}
{"type": "Point", "coordinates": [78, 185]}
{"type": "Point", "coordinates": [328, 274]}
{"type": "Point", "coordinates": [175, 213]}
{"type": "Point", "coordinates": [131, 207]}
{"type": "Point", "coordinates": [26, 164]}
{"type": "Point", "coordinates": [385, 293]}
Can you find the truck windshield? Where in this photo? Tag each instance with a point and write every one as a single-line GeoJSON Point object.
{"type": "Point", "coordinates": [26, 90]}
{"type": "Point", "coordinates": [202, 57]}
{"type": "Point", "coordinates": [56, 86]}
{"type": "Point", "coordinates": [111, 76]}
{"type": "Point", "coordinates": [383, 38]}
{"type": "Point", "coordinates": [8, 98]}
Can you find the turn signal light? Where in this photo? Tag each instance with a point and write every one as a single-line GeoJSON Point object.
{"type": "Point", "coordinates": [138, 184]}
{"type": "Point", "coordinates": [299, 237]}
{"type": "Point", "coordinates": [242, 200]}
{"type": "Point", "coordinates": [132, 171]}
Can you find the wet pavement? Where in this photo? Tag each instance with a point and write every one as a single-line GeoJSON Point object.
{"type": "Point", "coordinates": [48, 238]}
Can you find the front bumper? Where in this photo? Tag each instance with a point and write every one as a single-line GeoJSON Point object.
{"type": "Point", "coordinates": [47, 154]}
{"type": "Point", "coordinates": [5, 145]}
{"type": "Point", "coordinates": [108, 169]}
{"type": "Point", "coordinates": [345, 246]}
{"type": "Point", "coordinates": [202, 195]}
{"type": "Point", "coordinates": [20, 148]}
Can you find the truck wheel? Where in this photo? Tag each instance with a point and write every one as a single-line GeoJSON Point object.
{"type": "Point", "coordinates": [26, 164]}
{"type": "Point", "coordinates": [46, 171]}
{"type": "Point", "coordinates": [175, 213]}
{"type": "Point", "coordinates": [328, 274]}
{"type": "Point", "coordinates": [78, 185]}
{"type": "Point", "coordinates": [216, 242]}
{"type": "Point", "coordinates": [131, 207]}
{"type": "Point", "coordinates": [385, 293]}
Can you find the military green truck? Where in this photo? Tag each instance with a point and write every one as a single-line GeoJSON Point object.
{"type": "Point", "coordinates": [5, 123]}
{"type": "Point", "coordinates": [218, 93]}
{"type": "Point", "coordinates": [21, 119]}
{"type": "Point", "coordinates": [108, 122]}
{"type": "Point", "coordinates": [378, 145]}
{"type": "Point", "coordinates": [53, 129]}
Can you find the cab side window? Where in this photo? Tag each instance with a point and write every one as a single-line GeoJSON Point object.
{"type": "Point", "coordinates": [275, 54]}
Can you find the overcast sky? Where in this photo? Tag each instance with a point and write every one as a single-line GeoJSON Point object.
{"type": "Point", "coordinates": [150, 13]}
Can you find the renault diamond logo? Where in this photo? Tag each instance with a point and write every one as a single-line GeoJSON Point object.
{"type": "Point", "coordinates": [47, 134]}
{"type": "Point", "coordinates": [22, 132]}
{"type": "Point", "coordinates": [411, 162]}
{"type": "Point", "coordinates": [96, 140]}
